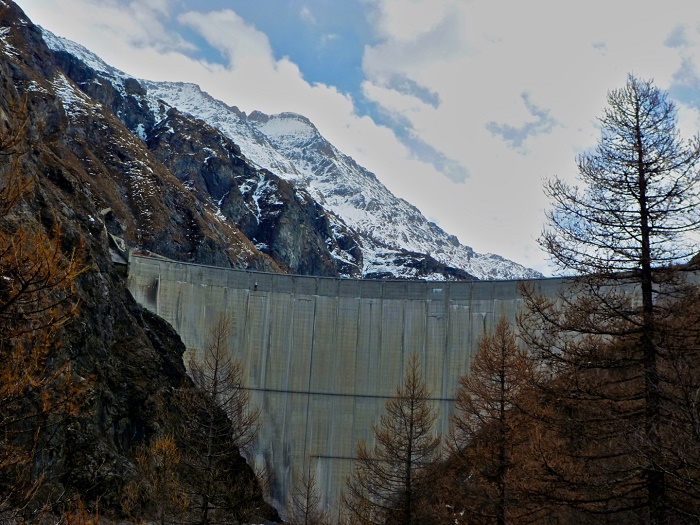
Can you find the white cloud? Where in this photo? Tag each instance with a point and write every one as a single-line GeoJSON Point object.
{"type": "Point", "coordinates": [307, 15]}
{"type": "Point", "coordinates": [243, 45]}
{"type": "Point", "coordinates": [327, 39]}
{"type": "Point", "coordinates": [403, 19]}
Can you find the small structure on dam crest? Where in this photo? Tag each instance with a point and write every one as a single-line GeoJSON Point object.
{"type": "Point", "coordinates": [323, 355]}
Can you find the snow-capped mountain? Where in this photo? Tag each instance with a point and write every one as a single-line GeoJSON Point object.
{"type": "Point", "coordinates": [395, 239]}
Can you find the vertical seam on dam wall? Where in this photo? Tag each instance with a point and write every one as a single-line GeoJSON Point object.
{"type": "Point", "coordinates": [307, 438]}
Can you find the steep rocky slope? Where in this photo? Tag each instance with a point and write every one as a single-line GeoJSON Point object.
{"type": "Point", "coordinates": [91, 177]}
{"type": "Point", "coordinates": [391, 238]}
{"type": "Point", "coordinates": [278, 220]}
{"type": "Point", "coordinates": [145, 203]}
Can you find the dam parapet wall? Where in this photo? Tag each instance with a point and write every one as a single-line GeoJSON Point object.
{"type": "Point", "coordinates": [323, 355]}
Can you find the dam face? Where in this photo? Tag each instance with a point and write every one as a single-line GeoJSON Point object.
{"type": "Point", "coordinates": [323, 355]}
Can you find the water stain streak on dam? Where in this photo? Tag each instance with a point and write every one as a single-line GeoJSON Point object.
{"type": "Point", "coordinates": [322, 355]}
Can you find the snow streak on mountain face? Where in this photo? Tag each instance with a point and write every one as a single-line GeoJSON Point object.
{"type": "Point", "coordinates": [290, 146]}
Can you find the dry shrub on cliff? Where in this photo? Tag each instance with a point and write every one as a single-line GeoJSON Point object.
{"type": "Point", "coordinates": [157, 489]}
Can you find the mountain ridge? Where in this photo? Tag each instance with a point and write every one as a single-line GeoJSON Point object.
{"type": "Point", "coordinates": [388, 228]}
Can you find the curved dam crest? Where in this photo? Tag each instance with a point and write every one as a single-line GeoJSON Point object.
{"type": "Point", "coordinates": [323, 355]}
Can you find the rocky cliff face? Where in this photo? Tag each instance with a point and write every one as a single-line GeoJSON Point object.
{"type": "Point", "coordinates": [147, 205]}
{"type": "Point", "coordinates": [90, 176]}
{"type": "Point", "coordinates": [283, 222]}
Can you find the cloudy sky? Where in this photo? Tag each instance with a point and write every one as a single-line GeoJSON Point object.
{"type": "Point", "coordinates": [462, 107]}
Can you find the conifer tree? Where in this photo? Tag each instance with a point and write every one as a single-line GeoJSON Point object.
{"type": "Point", "coordinates": [219, 423]}
{"type": "Point", "coordinates": [489, 436]}
{"type": "Point", "coordinates": [390, 478]}
{"type": "Point", "coordinates": [157, 486]}
{"type": "Point", "coordinates": [305, 506]}
{"type": "Point", "coordinates": [621, 237]}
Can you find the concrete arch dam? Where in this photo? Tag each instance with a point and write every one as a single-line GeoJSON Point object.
{"type": "Point", "coordinates": [323, 355]}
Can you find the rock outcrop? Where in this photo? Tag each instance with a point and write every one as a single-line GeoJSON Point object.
{"type": "Point", "coordinates": [285, 223]}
